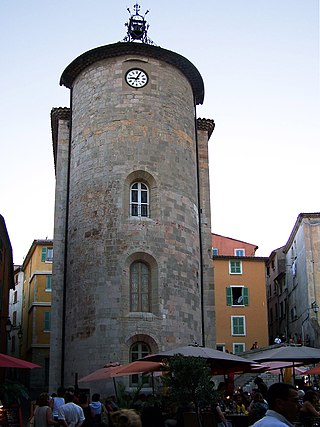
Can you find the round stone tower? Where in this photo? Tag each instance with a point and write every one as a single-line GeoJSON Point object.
{"type": "Point", "coordinates": [132, 220]}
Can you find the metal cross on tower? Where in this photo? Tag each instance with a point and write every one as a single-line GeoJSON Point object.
{"type": "Point", "coordinates": [137, 27]}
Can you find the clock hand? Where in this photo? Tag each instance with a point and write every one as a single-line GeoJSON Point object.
{"type": "Point", "coordinates": [138, 76]}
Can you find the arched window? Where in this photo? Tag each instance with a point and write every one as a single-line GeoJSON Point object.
{"type": "Point", "coordinates": [139, 200]}
{"type": "Point", "coordinates": [140, 287]}
{"type": "Point", "coordinates": [137, 351]}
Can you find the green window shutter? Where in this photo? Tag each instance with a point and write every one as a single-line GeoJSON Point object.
{"type": "Point", "coordinates": [44, 254]}
{"type": "Point", "coordinates": [245, 296]}
{"type": "Point", "coordinates": [229, 295]}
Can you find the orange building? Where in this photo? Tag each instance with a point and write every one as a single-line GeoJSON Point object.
{"type": "Point", "coordinates": [240, 295]}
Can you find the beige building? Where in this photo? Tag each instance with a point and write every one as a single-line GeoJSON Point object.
{"type": "Point", "coordinates": [36, 313]}
{"type": "Point", "coordinates": [132, 271]}
{"type": "Point", "coordinates": [294, 284]}
{"type": "Point", "coordinates": [240, 294]}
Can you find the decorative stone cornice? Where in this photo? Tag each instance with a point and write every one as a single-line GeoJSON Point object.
{"type": "Point", "coordinates": [206, 125]}
{"type": "Point", "coordinates": [118, 49]}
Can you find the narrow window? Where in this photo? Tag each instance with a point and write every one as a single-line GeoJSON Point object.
{"type": "Point", "coordinates": [48, 283]}
{"type": "Point", "coordinates": [235, 267]}
{"type": "Point", "coordinates": [140, 287]}
{"type": "Point", "coordinates": [238, 326]}
{"type": "Point", "coordinates": [215, 251]}
{"type": "Point", "coordinates": [139, 200]}
{"type": "Point", "coordinates": [47, 321]}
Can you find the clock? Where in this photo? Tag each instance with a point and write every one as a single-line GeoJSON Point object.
{"type": "Point", "coordinates": [136, 78]}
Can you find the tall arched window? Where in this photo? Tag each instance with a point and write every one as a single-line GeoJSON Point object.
{"type": "Point", "coordinates": [140, 287]}
{"type": "Point", "coordinates": [139, 199]}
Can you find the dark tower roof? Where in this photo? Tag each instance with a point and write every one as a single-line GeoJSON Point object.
{"type": "Point", "coordinates": [118, 49]}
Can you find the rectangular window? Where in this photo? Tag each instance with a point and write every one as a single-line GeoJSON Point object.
{"type": "Point", "coordinates": [238, 347]}
{"type": "Point", "coordinates": [238, 326]}
{"type": "Point", "coordinates": [15, 297]}
{"type": "Point", "coordinates": [47, 254]}
{"type": "Point", "coordinates": [47, 321]}
{"type": "Point", "coordinates": [237, 295]}
{"type": "Point", "coordinates": [235, 267]}
{"type": "Point", "coordinates": [215, 251]}
{"type": "Point", "coordinates": [48, 283]}
{"type": "Point", "coordinates": [239, 252]}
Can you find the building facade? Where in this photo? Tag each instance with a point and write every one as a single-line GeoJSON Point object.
{"type": "Point", "coordinates": [132, 271]}
{"type": "Point", "coordinates": [36, 313]}
{"type": "Point", "coordinates": [240, 294]}
{"type": "Point", "coordinates": [15, 313]}
{"type": "Point", "coordinates": [295, 305]}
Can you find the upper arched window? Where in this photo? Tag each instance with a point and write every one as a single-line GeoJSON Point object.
{"type": "Point", "coordinates": [140, 287]}
{"type": "Point", "coordinates": [139, 200]}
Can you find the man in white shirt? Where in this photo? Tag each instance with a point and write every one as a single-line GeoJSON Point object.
{"type": "Point", "coordinates": [70, 414]}
{"type": "Point", "coordinates": [284, 405]}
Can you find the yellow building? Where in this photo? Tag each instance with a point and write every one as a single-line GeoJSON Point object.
{"type": "Point", "coordinates": [240, 296]}
{"type": "Point", "coordinates": [36, 312]}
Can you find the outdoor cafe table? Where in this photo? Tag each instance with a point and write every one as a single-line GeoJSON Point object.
{"type": "Point", "coordinates": [238, 420]}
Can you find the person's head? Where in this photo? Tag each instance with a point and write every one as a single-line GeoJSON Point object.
{"type": "Point", "coordinates": [284, 399]}
{"type": "Point", "coordinates": [43, 399]}
{"type": "Point", "coordinates": [60, 392]}
{"type": "Point", "coordinates": [68, 397]}
{"type": "Point", "coordinates": [257, 397]}
{"type": "Point", "coordinates": [95, 397]}
{"type": "Point", "coordinates": [258, 380]}
{"type": "Point", "coordinates": [311, 396]}
{"type": "Point", "coordinates": [126, 418]}
{"type": "Point", "coordinates": [83, 399]}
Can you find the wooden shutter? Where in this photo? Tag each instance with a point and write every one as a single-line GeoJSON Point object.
{"type": "Point", "coordinates": [229, 295]}
{"type": "Point", "coordinates": [245, 296]}
{"type": "Point", "coordinates": [44, 254]}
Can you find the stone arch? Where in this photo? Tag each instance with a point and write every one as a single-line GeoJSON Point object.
{"type": "Point", "coordinates": [150, 340]}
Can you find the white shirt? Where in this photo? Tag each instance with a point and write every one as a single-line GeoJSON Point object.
{"type": "Point", "coordinates": [273, 419]}
{"type": "Point", "coordinates": [71, 413]}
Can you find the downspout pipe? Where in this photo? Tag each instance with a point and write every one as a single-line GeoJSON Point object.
{"type": "Point", "coordinates": [203, 343]}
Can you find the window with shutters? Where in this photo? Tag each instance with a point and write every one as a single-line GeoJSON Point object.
{"type": "Point", "coordinates": [47, 254]}
{"type": "Point", "coordinates": [139, 200]}
{"type": "Point", "coordinates": [235, 267]}
{"type": "Point", "coordinates": [237, 295]}
{"type": "Point", "coordinates": [140, 298]}
{"type": "Point", "coordinates": [238, 325]}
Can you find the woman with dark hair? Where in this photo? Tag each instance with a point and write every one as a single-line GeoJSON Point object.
{"type": "Point", "coordinates": [87, 410]}
{"type": "Point", "coordinates": [258, 407]}
{"type": "Point", "coordinates": [43, 414]}
{"type": "Point", "coordinates": [308, 411]}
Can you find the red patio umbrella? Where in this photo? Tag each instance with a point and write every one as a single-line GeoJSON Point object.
{"type": "Point", "coordinates": [13, 362]}
{"type": "Point", "coordinates": [313, 371]}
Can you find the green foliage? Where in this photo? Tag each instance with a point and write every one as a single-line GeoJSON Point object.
{"type": "Point", "coordinates": [13, 392]}
{"type": "Point", "coordinates": [127, 400]}
{"type": "Point", "coordinates": [189, 381]}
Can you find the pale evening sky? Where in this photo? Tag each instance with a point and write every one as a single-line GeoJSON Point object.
{"type": "Point", "coordinates": [259, 60]}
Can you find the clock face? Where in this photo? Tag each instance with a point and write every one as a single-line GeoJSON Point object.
{"type": "Point", "coordinates": [136, 78]}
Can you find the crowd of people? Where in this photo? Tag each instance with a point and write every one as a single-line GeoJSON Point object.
{"type": "Point", "coordinates": [279, 405]}
{"type": "Point", "coordinates": [67, 409]}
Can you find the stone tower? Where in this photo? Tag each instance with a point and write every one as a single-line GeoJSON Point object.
{"type": "Point", "coordinates": [132, 267]}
